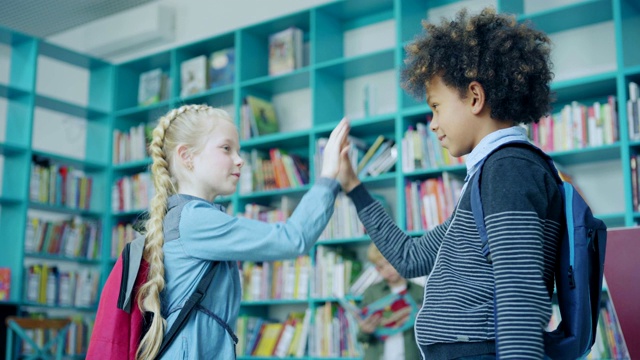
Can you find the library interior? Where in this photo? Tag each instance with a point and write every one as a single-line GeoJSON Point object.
{"type": "Point", "coordinates": [84, 84]}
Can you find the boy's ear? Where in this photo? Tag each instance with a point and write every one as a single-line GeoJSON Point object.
{"type": "Point", "coordinates": [477, 97]}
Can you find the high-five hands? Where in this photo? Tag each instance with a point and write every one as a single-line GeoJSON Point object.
{"type": "Point", "coordinates": [337, 144]}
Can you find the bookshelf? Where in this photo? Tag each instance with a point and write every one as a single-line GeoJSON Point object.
{"type": "Point", "coordinates": [348, 45]}
{"type": "Point", "coordinates": [78, 123]}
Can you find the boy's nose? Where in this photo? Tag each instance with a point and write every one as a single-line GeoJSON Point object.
{"type": "Point", "coordinates": [433, 125]}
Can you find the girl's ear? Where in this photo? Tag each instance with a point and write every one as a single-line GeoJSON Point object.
{"type": "Point", "coordinates": [477, 97]}
{"type": "Point", "coordinates": [185, 156]}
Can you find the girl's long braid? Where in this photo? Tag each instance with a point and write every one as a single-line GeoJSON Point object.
{"type": "Point", "coordinates": [149, 298]}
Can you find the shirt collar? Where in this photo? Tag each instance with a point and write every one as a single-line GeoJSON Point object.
{"type": "Point", "coordinates": [490, 143]}
{"type": "Point", "coordinates": [176, 199]}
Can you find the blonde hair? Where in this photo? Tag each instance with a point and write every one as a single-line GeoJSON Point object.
{"type": "Point", "coordinates": [188, 125]}
{"type": "Point", "coordinates": [373, 254]}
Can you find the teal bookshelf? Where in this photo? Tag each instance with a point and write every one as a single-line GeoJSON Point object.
{"type": "Point", "coordinates": [322, 84]}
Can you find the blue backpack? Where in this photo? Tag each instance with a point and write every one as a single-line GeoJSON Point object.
{"type": "Point", "coordinates": [579, 267]}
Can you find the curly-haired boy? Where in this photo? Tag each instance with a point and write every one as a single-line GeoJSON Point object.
{"type": "Point", "coordinates": [482, 76]}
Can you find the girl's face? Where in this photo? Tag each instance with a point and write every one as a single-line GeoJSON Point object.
{"type": "Point", "coordinates": [216, 169]}
{"type": "Point", "coordinates": [457, 129]}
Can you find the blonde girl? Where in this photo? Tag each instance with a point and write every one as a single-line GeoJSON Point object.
{"type": "Point", "coordinates": [196, 157]}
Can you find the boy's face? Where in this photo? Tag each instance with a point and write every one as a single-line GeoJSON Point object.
{"type": "Point", "coordinates": [454, 124]}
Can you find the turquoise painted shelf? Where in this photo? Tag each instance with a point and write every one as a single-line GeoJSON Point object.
{"type": "Point", "coordinates": [10, 92]}
{"type": "Point", "coordinates": [276, 192]}
{"type": "Point", "coordinates": [9, 149]}
{"type": "Point", "coordinates": [459, 169]}
{"type": "Point", "coordinates": [132, 166]}
{"type": "Point", "coordinates": [587, 155]}
{"type": "Point", "coordinates": [351, 241]}
{"type": "Point", "coordinates": [269, 302]}
{"type": "Point", "coordinates": [63, 258]}
{"type": "Point", "coordinates": [291, 139]}
{"type": "Point", "coordinates": [572, 16]}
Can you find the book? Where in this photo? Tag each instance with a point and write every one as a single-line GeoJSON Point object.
{"type": "Point", "coordinates": [150, 87]}
{"type": "Point", "coordinates": [222, 67]}
{"type": "Point", "coordinates": [193, 76]}
{"type": "Point", "coordinates": [5, 283]}
{"type": "Point", "coordinates": [263, 115]}
{"type": "Point", "coordinates": [398, 311]}
{"type": "Point", "coordinates": [285, 51]}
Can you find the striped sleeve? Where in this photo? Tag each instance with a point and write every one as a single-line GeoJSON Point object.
{"type": "Point", "coordinates": [411, 257]}
{"type": "Point", "coordinates": [515, 202]}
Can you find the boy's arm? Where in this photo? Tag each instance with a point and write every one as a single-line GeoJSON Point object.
{"type": "Point", "coordinates": [515, 202]}
{"type": "Point", "coordinates": [411, 257]}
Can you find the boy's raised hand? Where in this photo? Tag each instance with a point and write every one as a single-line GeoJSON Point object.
{"type": "Point", "coordinates": [336, 146]}
{"type": "Point", "coordinates": [347, 176]}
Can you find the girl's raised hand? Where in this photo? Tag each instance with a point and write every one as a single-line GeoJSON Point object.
{"type": "Point", "coordinates": [338, 142]}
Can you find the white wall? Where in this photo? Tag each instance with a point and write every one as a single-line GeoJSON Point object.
{"type": "Point", "coordinates": [200, 19]}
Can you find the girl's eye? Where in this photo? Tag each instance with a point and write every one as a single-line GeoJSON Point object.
{"type": "Point", "coordinates": [226, 148]}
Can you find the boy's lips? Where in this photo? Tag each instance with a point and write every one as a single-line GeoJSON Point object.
{"type": "Point", "coordinates": [441, 137]}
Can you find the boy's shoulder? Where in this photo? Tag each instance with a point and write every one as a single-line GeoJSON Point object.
{"type": "Point", "coordinates": [518, 158]}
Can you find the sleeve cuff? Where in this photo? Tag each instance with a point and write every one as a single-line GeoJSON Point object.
{"type": "Point", "coordinates": [360, 197]}
{"type": "Point", "coordinates": [332, 184]}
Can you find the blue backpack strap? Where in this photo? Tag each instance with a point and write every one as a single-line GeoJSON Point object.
{"type": "Point", "coordinates": [476, 199]}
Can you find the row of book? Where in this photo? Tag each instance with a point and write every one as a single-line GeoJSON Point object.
{"type": "Point", "coordinates": [200, 73]}
{"type": "Point", "coordinates": [121, 234]}
{"type": "Point", "coordinates": [344, 222]}
{"type": "Point", "coordinates": [76, 340]}
{"type": "Point", "coordinates": [131, 193]}
{"type": "Point", "coordinates": [5, 283]}
{"type": "Point", "coordinates": [59, 185]}
{"type": "Point", "coordinates": [378, 158]}
{"type": "Point", "coordinates": [335, 269]}
{"type": "Point", "coordinates": [633, 111]}
{"type": "Point", "coordinates": [276, 169]}
{"type": "Point", "coordinates": [50, 285]}
{"type": "Point", "coordinates": [203, 72]}
{"type": "Point", "coordinates": [334, 333]}
{"type": "Point", "coordinates": [430, 202]}
{"type": "Point", "coordinates": [131, 145]}
{"type": "Point", "coordinates": [258, 117]}
{"type": "Point", "coordinates": [282, 279]}
{"type": "Point", "coordinates": [76, 237]}
{"type": "Point", "coordinates": [153, 86]}
{"type": "Point", "coordinates": [577, 126]}
{"type": "Point", "coordinates": [268, 338]}
{"type": "Point", "coordinates": [634, 161]}
{"type": "Point", "coordinates": [421, 149]}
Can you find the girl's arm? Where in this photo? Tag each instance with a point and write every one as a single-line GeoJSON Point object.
{"type": "Point", "coordinates": [208, 233]}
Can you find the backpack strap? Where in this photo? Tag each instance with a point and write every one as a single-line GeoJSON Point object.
{"type": "Point", "coordinates": [476, 200]}
{"type": "Point", "coordinates": [186, 310]}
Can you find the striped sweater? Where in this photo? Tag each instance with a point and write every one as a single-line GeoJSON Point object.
{"type": "Point", "coordinates": [523, 215]}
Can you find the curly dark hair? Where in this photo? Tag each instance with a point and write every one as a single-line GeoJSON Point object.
{"type": "Point", "coordinates": [509, 59]}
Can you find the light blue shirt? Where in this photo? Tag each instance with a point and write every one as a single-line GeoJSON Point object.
{"type": "Point", "coordinates": [487, 145]}
{"type": "Point", "coordinates": [198, 232]}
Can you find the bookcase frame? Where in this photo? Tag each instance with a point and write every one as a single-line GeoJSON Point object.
{"type": "Point", "coordinates": [113, 105]}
